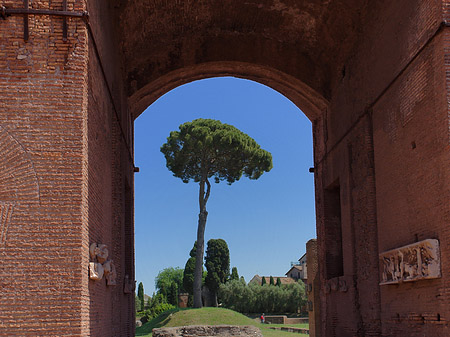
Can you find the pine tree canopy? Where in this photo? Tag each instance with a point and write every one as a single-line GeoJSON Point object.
{"type": "Point", "coordinates": [206, 148]}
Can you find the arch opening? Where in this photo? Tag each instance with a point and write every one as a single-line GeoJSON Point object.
{"type": "Point", "coordinates": [225, 199]}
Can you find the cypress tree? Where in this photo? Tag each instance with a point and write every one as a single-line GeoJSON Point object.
{"type": "Point", "coordinates": [263, 282]}
{"type": "Point", "coordinates": [278, 282]}
{"type": "Point", "coordinates": [141, 295]}
{"type": "Point", "coordinates": [271, 282]}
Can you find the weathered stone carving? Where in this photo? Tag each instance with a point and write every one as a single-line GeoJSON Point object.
{"type": "Point", "coordinates": [95, 271]}
{"type": "Point", "coordinates": [417, 261]}
{"type": "Point", "coordinates": [110, 273]}
{"type": "Point", "coordinates": [103, 266]}
{"type": "Point", "coordinates": [102, 253]}
{"type": "Point", "coordinates": [335, 284]}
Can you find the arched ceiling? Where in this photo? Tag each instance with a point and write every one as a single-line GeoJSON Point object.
{"type": "Point", "coordinates": [308, 40]}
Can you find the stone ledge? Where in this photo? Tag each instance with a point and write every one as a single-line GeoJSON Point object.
{"type": "Point", "coordinates": [208, 331]}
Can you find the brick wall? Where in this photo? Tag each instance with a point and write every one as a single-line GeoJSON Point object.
{"type": "Point", "coordinates": [313, 288]}
{"type": "Point", "coordinates": [43, 114]}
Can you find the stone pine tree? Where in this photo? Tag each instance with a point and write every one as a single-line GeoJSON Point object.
{"type": "Point", "coordinates": [141, 295]}
{"type": "Point", "coordinates": [217, 263]}
{"type": "Point", "coordinates": [234, 274]}
{"type": "Point", "coordinates": [207, 149]}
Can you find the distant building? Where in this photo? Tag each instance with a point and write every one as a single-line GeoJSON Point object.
{"type": "Point", "coordinates": [284, 280]}
{"type": "Point", "coordinates": [299, 270]}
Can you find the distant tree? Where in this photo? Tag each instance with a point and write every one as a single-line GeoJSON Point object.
{"type": "Point", "coordinates": [242, 279]}
{"type": "Point", "coordinates": [149, 303]}
{"type": "Point", "coordinates": [204, 149]}
{"type": "Point", "coordinates": [278, 284]}
{"type": "Point", "coordinates": [263, 282]}
{"type": "Point", "coordinates": [137, 304]}
{"type": "Point", "coordinates": [168, 283]}
{"type": "Point", "coordinates": [271, 281]}
{"type": "Point", "coordinates": [234, 274]}
{"type": "Point", "coordinates": [188, 275]}
{"type": "Point", "coordinates": [252, 298]}
{"type": "Point", "coordinates": [140, 295]}
{"type": "Point", "coordinates": [217, 263]}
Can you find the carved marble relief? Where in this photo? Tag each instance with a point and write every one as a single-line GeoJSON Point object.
{"type": "Point", "coordinates": [100, 265]}
{"type": "Point", "coordinates": [418, 261]}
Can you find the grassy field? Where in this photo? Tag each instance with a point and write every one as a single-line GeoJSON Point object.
{"type": "Point", "coordinates": [209, 316]}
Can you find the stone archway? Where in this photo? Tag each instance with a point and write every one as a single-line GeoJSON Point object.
{"type": "Point", "coordinates": [372, 76]}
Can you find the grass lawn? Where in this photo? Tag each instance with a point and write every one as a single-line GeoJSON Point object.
{"type": "Point", "coordinates": [208, 316]}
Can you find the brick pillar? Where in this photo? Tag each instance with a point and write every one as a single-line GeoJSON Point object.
{"type": "Point", "coordinates": [43, 174]}
{"type": "Point", "coordinates": [313, 288]}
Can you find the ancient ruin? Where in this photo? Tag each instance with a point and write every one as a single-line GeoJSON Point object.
{"type": "Point", "coordinates": [372, 76]}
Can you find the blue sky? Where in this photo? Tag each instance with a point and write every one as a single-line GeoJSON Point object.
{"type": "Point", "coordinates": [266, 222]}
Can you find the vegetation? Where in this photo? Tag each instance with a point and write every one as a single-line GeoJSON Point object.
{"type": "Point", "coordinates": [253, 298]}
{"type": "Point", "coordinates": [271, 282]}
{"type": "Point", "coordinates": [206, 316]}
{"type": "Point", "coordinates": [155, 310]}
{"type": "Point", "coordinates": [169, 283]}
{"type": "Point", "coordinates": [234, 274]}
{"type": "Point", "coordinates": [278, 284]}
{"type": "Point", "coordinates": [204, 149]}
{"type": "Point", "coordinates": [263, 281]}
{"type": "Point", "coordinates": [140, 295]}
{"type": "Point", "coordinates": [217, 263]}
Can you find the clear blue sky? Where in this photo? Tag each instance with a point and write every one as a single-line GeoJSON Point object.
{"type": "Point", "coordinates": [266, 222]}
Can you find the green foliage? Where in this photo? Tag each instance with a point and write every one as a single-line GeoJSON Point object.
{"type": "Point", "coordinates": [242, 279]}
{"type": "Point", "coordinates": [271, 282]}
{"type": "Point", "coordinates": [208, 316]}
{"type": "Point", "coordinates": [193, 251]}
{"type": "Point", "coordinates": [278, 284]}
{"type": "Point", "coordinates": [188, 275]}
{"type": "Point", "coordinates": [263, 282]}
{"type": "Point", "coordinates": [149, 302]}
{"type": "Point", "coordinates": [217, 263]}
{"type": "Point", "coordinates": [156, 310]}
{"type": "Point", "coordinates": [207, 148]}
{"type": "Point", "coordinates": [244, 298]}
{"type": "Point", "coordinates": [234, 274]}
{"type": "Point", "coordinates": [137, 304]}
{"type": "Point", "coordinates": [140, 295]}
{"type": "Point", "coordinates": [168, 283]}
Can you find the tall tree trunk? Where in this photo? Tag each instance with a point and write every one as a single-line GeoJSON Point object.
{"type": "Point", "coordinates": [200, 242]}
{"type": "Point", "coordinates": [199, 259]}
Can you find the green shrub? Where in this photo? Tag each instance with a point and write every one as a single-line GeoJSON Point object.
{"type": "Point", "coordinates": [156, 310]}
{"type": "Point", "coordinates": [238, 296]}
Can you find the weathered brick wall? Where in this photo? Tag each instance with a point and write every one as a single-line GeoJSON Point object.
{"type": "Point", "coordinates": [391, 99]}
{"type": "Point", "coordinates": [43, 174]}
{"type": "Point", "coordinates": [313, 288]}
{"type": "Point", "coordinates": [411, 135]}
{"type": "Point", "coordinates": [110, 151]}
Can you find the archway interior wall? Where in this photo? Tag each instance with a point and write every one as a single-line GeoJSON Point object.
{"type": "Point", "coordinates": [110, 183]}
{"type": "Point", "coordinates": [391, 95]}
